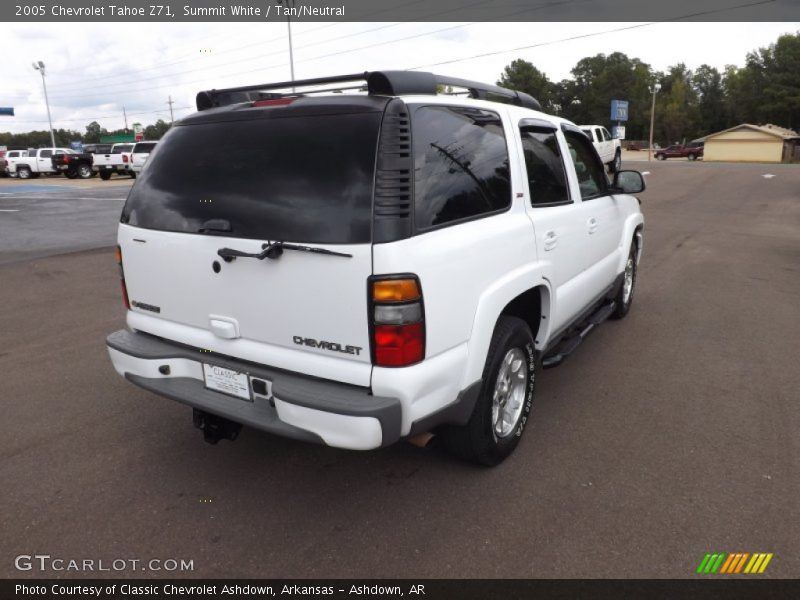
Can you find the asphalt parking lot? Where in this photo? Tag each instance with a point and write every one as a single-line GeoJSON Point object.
{"type": "Point", "coordinates": [667, 435]}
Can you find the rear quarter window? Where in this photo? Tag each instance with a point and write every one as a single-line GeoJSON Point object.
{"type": "Point", "coordinates": [461, 165]}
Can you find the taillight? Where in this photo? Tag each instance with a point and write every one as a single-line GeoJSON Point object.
{"type": "Point", "coordinates": [124, 158]}
{"type": "Point", "coordinates": [397, 317]}
{"type": "Point", "coordinates": [118, 256]}
{"type": "Point", "coordinates": [66, 158]}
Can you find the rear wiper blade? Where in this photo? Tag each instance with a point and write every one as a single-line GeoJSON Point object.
{"type": "Point", "coordinates": [274, 250]}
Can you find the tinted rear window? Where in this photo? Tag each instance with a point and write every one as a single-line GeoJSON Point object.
{"type": "Point", "coordinates": [144, 147]}
{"type": "Point", "coordinates": [121, 149]}
{"type": "Point", "coordinates": [302, 178]}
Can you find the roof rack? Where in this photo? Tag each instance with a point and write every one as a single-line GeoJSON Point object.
{"type": "Point", "coordinates": [381, 83]}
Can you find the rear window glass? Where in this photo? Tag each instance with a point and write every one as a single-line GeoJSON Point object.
{"type": "Point", "coordinates": [121, 149]}
{"type": "Point", "coordinates": [293, 178]}
{"type": "Point", "coordinates": [144, 147]}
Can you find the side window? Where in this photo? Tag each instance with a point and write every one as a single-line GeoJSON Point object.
{"type": "Point", "coordinates": [461, 165]}
{"type": "Point", "coordinates": [547, 181]}
{"type": "Point", "coordinates": [606, 135]}
{"type": "Point", "coordinates": [589, 134]}
{"type": "Point", "coordinates": [591, 175]}
{"type": "Point", "coordinates": [46, 154]}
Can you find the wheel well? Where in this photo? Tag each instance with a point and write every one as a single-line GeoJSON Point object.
{"type": "Point", "coordinates": [528, 307]}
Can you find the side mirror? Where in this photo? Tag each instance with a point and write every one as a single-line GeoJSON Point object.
{"type": "Point", "coordinates": [628, 182]}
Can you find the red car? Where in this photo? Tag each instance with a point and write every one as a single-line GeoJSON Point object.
{"type": "Point", "coordinates": [691, 151]}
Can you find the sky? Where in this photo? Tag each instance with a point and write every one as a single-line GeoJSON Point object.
{"type": "Point", "coordinates": [94, 70]}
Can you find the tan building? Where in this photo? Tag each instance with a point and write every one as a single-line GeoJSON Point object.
{"type": "Point", "coordinates": [753, 143]}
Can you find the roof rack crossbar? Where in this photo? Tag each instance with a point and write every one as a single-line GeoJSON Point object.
{"type": "Point", "coordinates": [388, 83]}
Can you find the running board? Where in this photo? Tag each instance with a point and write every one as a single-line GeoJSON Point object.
{"type": "Point", "coordinates": [567, 347]}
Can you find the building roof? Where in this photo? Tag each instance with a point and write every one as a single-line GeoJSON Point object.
{"type": "Point", "coordinates": [780, 132]}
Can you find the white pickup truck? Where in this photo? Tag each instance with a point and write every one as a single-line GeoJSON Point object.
{"type": "Point", "coordinates": [116, 161]}
{"type": "Point", "coordinates": [36, 163]}
{"type": "Point", "coordinates": [609, 148]}
{"type": "Point", "coordinates": [12, 157]}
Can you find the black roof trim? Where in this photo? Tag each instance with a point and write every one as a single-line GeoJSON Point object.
{"type": "Point", "coordinates": [382, 83]}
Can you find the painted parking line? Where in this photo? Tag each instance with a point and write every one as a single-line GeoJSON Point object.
{"type": "Point", "coordinates": [27, 189]}
{"type": "Point", "coordinates": [9, 210]}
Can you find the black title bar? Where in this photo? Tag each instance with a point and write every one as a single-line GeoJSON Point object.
{"type": "Point", "coordinates": [398, 10]}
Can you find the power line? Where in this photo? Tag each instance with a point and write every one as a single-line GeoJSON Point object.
{"type": "Point", "coordinates": [587, 35]}
{"type": "Point", "coordinates": [245, 46]}
{"type": "Point", "coordinates": [114, 116]}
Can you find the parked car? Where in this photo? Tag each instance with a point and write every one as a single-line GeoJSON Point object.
{"type": "Point", "coordinates": [389, 264]}
{"type": "Point", "coordinates": [141, 151]}
{"type": "Point", "coordinates": [39, 162]}
{"type": "Point", "coordinates": [117, 160]}
{"type": "Point", "coordinates": [691, 151]}
{"type": "Point", "coordinates": [609, 148]}
{"type": "Point", "coordinates": [74, 164]}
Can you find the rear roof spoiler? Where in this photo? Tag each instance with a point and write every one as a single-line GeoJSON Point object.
{"type": "Point", "coordinates": [380, 83]}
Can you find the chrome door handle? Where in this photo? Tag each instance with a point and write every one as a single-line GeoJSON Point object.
{"type": "Point", "coordinates": [592, 225]}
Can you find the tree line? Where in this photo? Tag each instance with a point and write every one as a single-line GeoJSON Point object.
{"type": "Point", "coordinates": [689, 105]}
{"type": "Point", "coordinates": [94, 132]}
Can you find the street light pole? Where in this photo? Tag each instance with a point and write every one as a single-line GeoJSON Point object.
{"type": "Point", "coordinates": [39, 66]}
{"type": "Point", "coordinates": [656, 87]}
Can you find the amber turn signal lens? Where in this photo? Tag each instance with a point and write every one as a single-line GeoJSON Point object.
{"type": "Point", "coordinates": [118, 255]}
{"type": "Point", "coordinates": [395, 290]}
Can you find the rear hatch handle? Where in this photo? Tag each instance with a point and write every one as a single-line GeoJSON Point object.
{"type": "Point", "coordinates": [274, 250]}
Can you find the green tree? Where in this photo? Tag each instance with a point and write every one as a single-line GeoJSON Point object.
{"type": "Point", "coordinates": [157, 130]}
{"type": "Point", "coordinates": [707, 83]}
{"type": "Point", "coordinates": [776, 72]}
{"type": "Point", "coordinates": [94, 132]}
{"type": "Point", "coordinates": [522, 76]}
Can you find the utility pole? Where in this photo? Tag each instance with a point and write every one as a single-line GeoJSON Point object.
{"type": "Point", "coordinates": [656, 87]}
{"type": "Point", "coordinates": [171, 116]}
{"type": "Point", "coordinates": [289, 4]}
{"type": "Point", "coordinates": [124, 114]}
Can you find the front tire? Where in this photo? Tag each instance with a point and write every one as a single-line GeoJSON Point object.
{"type": "Point", "coordinates": [692, 157]}
{"type": "Point", "coordinates": [624, 297]}
{"type": "Point", "coordinates": [504, 402]}
{"type": "Point", "coordinates": [24, 172]}
{"type": "Point", "coordinates": [84, 171]}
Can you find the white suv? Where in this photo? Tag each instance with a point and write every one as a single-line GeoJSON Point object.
{"type": "Point", "coordinates": [388, 264]}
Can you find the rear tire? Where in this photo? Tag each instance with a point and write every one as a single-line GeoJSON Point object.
{"type": "Point", "coordinates": [84, 171]}
{"type": "Point", "coordinates": [624, 297]}
{"type": "Point", "coordinates": [71, 174]}
{"type": "Point", "coordinates": [24, 172]}
{"type": "Point", "coordinates": [692, 157]}
{"type": "Point", "coordinates": [133, 175]}
{"type": "Point", "coordinates": [504, 402]}
{"type": "Point", "coordinates": [105, 175]}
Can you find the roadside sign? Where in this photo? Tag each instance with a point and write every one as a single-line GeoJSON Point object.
{"type": "Point", "coordinates": [76, 146]}
{"type": "Point", "coordinates": [8, 111]}
{"type": "Point", "coordinates": [618, 132]}
{"type": "Point", "coordinates": [619, 110]}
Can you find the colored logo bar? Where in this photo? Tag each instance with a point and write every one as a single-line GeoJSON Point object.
{"type": "Point", "coordinates": [734, 563]}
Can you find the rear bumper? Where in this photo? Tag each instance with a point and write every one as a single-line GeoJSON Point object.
{"type": "Point", "coordinates": [293, 406]}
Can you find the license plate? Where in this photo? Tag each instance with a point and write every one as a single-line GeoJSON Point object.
{"type": "Point", "coordinates": [226, 381]}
